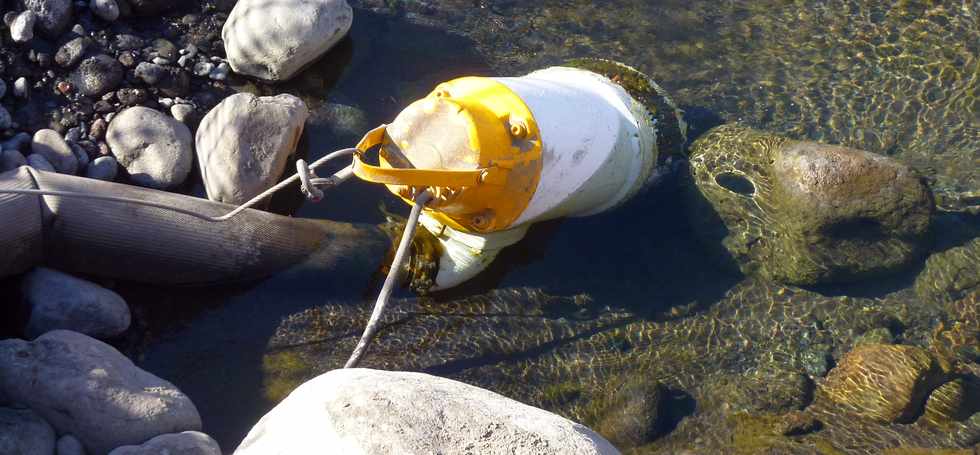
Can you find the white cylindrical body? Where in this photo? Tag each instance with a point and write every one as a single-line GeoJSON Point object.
{"type": "Point", "coordinates": [598, 142]}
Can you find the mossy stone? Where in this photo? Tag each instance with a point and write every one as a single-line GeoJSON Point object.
{"type": "Point", "coordinates": [631, 417]}
{"type": "Point", "coordinates": [950, 275]}
{"type": "Point", "coordinates": [805, 213]}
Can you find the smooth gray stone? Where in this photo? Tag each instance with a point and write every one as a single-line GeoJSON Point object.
{"type": "Point", "coordinates": [23, 432]}
{"type": "Point", "coordinates": [156, 149]}
{"type": "Point", "coordinates": [61, 301]}
{"type": "Point", "coordinates": [50, 145]}
{"type": "Point", "coordinates": [186, 443]}
{"type": "Point", "coordinates": [103, 168]}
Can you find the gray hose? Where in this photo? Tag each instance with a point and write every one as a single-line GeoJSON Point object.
{"type": "Point", "coordinates": [154, 245]}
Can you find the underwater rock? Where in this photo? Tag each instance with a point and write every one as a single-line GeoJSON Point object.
{"type": "Point", "coordinates": [156, 149]}
{"type": "Point", "coordinates": [186, 443]}
{"type": "Point", "coordinates": [951, 402]}
{"type": "Point", "coordinates": [275, 50]}
{"type": "Point", "coordinates": [768, 389]}
{"type": "Point", "coordinates": [805, 213]}
{"type": "Point", "coordinates": [631, 417]}
{"type": "Point", "coordinates": [87, 388]}
{"type": "Point", "coordinates": [888, 383]}
{"type": "Point", "coordinates": [950, 275]}
{"type": "Point", "coordinates": [23, 432]}
{"type": "Point", "coordinates": [61, 301]}
{"type": "Point", "coordinates": [381, 412]}
{"type": "Point", "coordinates": [243, 144]}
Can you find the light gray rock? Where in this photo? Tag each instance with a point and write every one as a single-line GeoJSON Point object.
{"type": "Point", "coordinates": [40, 163]}
{"type": "Point", "coordinates": [220, 72]}
{"type": "Point", "coordinates": [70, 53]}
{"type": "Point", "coordinates": [21, 88]}
{"type": "Point", "coordinates": [244, 142]}
{"type": "Point", "coordinates": [203, 68]}
{"type": "Point", "coordinates": [70, 445]}
{"type": "Point", "coordinates": [97, 75]}
{"type": "Point", "coordinates": [103, 168]}
{"type": "Point", "coordinates": [11, 159]}
{"type": "Point", "coordinates": [181, 112]}
{"type": "Point", "coordinates": [22, 28]}
{"type": "Point", "coordinates": [53, 16]}
{"type": "Point", "coordinates": [156, 149]}
{"type": "Point", "coordinates": [61, 301]}
{"type": "Point", "coordinates": [50, 145]}
{"type": "Point", "coordinates": [107, 10]}
{"type": "Point", "coordinates": [276, 50]}
{"type": "Point", "coordinates": [23, 432]}
{"type": "Point", "coordinates": [381, 412]}
{"type": "Point", "coordinates": [5, 119]}
{"type": "Point", "coordinates": [186, 443]}
{"type": "Point", "coordinates": [85, 387]}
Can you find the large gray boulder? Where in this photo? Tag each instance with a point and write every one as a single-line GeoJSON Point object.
{"type": "Point", "coordinates": [156, 149]}
{"type": "Point", "coordinates": [85, 387]}
{"type": "Point", "coordinates": [50, 145]}
{"type": "Point", "coordinates": [53, 16]}
{"type": "Point", "coordinates": [381, 412]}
{"type": "Point", "coordinates": [186, 443]}
{"type": "Point", "coordinates": [244, 142]}
{"type": "Point", "coordinates": [61, 301]}
{"type": "Point", "coordinates": [275, 40]}
{"type": "Point", "coordinates": [23, 432]}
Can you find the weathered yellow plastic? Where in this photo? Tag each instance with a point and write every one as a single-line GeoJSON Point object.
{"type": "Point", "coordinates": [503, 141]}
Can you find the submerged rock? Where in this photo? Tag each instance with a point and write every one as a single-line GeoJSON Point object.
{"type": "Point", "coordinates": [950, 275]}
{"type": "Point", "coordinates": [22, 432]}
{"type": "Point", "coordinates": [243, 143]}
{"type": "Point", "coordinates": [381, 412]}
{"type": "Point", "coordinates": [53, 16]}
{"type": "Point", "coordinates": [631, 417]}
{"type": "Point", "coordinates": [85, 387]}
{"type": "Point", "coordinates": [186, 443]}
{"type": "Point", "coordinates": [888, 383]}
{"type": "Point", "coordinates": [276, 50]}
{"type": "Point", "coordinates": [61, 301]}
{"type": "Point", "coordinates": [156, 149]}
{"type": "Point", "coordinates": [805, 213]}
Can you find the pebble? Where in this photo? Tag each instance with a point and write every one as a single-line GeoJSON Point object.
{"type": "Point", "coordinates": [127, 42]}
{"type": "Point", "coordinates": [103, 168]}
{"type": "Point", "coordinates": [17, 142]}
{"type": "Point", "coordinates": [78, 30]}
{"type": "Point", "coordinates": [184, 60]}
{"type": "Point", "coordinates": [11, 159]}
{"type": "Point", "coordinates": [5, 120]}
{"type": "Point", "coordinates": [38, 162]}
{"type": "Point", "coordinates": [61, 301]}
{"type": "Point", "coordinates": [104, 107]}
{"type": "Point", "coordinates": [22, 28]}
{"type": "Point", "coordinates": [131, 96]}
{"type": "Point", "coordinates": [190, 51]}
{"type": "Point", "coordinates": [150, 73]}
{"type": "Point", "coordinates": [186, 443]}
{"type": "Point", "coordinates": [220, 73]}
{"type": "Point", "coordinates": [127, 59]}
{"type": "Point", "coordinates": [21, 90]}
{"type": "Point", "coordinates": [157, 150]}
{"type": "Point", "coordinates": [166, 102]}
{"type": "Point", "coordinates": [80, 154]}
{"type": "Point", "coordinates": [107, 10]}
{"type": "Point", "coordinates": [203, 68]}
{"type": "Point", "coordinates": [74, 134]}
{"type": "Point", "coordinates": [53, 16]}
{"type": "Point", "coordinates": [71, 52]}
{"type": "Point", "coordinates": [50, 145]}
{"type": "Point", "coordinates": [160, 61]}
{"type": "Point", "coordinates": [70, 445]}
{"type": "Point", "coordinates": [97, 75]}
{"type": "Point", "coordinates": [8, 18]}
{"type": "Point", "coordinates": [164, 48]}
{"type": "Point", "coordinates": [182, 112]}
{"type": "Point", "coordinates": [98, 128]}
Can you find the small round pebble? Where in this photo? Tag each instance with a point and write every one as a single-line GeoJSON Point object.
{"type": "Point", "coordinates": [21, 89]}
{"type": "Point", "coordinates": [22, 28]}
{"type": "Point", "coordinates": [5, 120]}
{"type": "Point", "coordinates": [102, 168]}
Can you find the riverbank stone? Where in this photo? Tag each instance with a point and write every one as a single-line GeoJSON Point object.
{"type": "Point", "coordinates": [85, 387]}
{"type": "Point", "coordinates": [277, 50]}
{"type": "Point", "coordinates": [97, 75]}
{"type": "Point", "coordinates": [379, 412]}
{"type": "Point", "coordinates": [244, 142]}
{"type": "Point", "coordinates": [185, 443]}
{"type": "Point", "coordinates": [22, 28]}
{"type": "Point", "coordinates": [23, 432]}
{"type": "Point", "coordinates": [155, 149]}
{"type": "Point", "coordinates": [107, 10]}
{"type": "Point", "coordinates": [50, 145]}
{"type": "Point", "coordinates": [805, 213]}
{"type": "Point", "coordinates": [103, 168]}
{"type": "Point", "coordinates": [61, 301]}
{"type": "Point", "coordinates": [53, 16]}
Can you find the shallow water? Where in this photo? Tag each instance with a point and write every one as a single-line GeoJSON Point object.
{"type": "Point", "coordinates": [580, 306]}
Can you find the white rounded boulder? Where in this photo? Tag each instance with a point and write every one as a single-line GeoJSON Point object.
{"type": "Point", "coordinates": [275, 40]}
{"type": "Point", "coordinates": [155, 149]}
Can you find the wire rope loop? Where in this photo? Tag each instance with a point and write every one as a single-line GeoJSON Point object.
{"type": "Point", "coordinates": [309, 190]}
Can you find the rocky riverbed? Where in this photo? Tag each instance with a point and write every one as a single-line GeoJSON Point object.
{"type": "Point", "coordinates": [787, 297]}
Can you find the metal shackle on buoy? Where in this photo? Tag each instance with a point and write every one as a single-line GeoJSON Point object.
{"type": "Point", "coordinates": [501, 153]}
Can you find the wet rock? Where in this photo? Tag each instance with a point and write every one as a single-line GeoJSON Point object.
{"type": "Point", "coordinates": [5, 120]}
{"type": "Point", "coordinates": [97, 75]}
{"type": "Point", "coordinates": [170, 81]}
{"type": "Point", "coordinates": [156, 149]}
{"type": "Point", "coordinates": [888, 383]}
{"type": "Point", "coordinates": [53, 16]}
{"type": "Point", "coordinates": [411, 413]}
{"type": "Point", "coordinates": [243, 144]}
{"type": "Point", "coordinates": [21, 88]}
{"type": "Point", "coordinates": [11, 159]}
{"type": "Point", "coordinates": [85, 387]}
{"type": "Point", "coordinates": [40, 163]}
{"type": "Point", "coordinates": [23, 432]}
{"type": "Point", "coordinates": [50, 145]}
{"type": "Point", "coordinates": [61, 301]}
{"type": "Point", "coordinates": [950, 275]}
{"type": "Point", "coordinates": [805, 213]}
{"type": "Point", "coordinates": [346, 123]}
{"type": "Point", "coordinates": [103, 168]}
{"type": "Point", "coordinates": [952, 402]}
{"type": "Point", "coordinates": [107, 10]}
{"type": "Point", "coordinates": [766, 389]}
{"type": "Point", "coordinates": [277, 50]}
{"type": "Point", "coordinates": [632, 416]}
{"type": "Point", "coordinates": [70, 445]}
{"type": "Point", "coordinates": [22, 28]}
{"type": "Point", "coordinates": [70, 53]}
{"type": "Point", "coordinates": [186, 443]}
